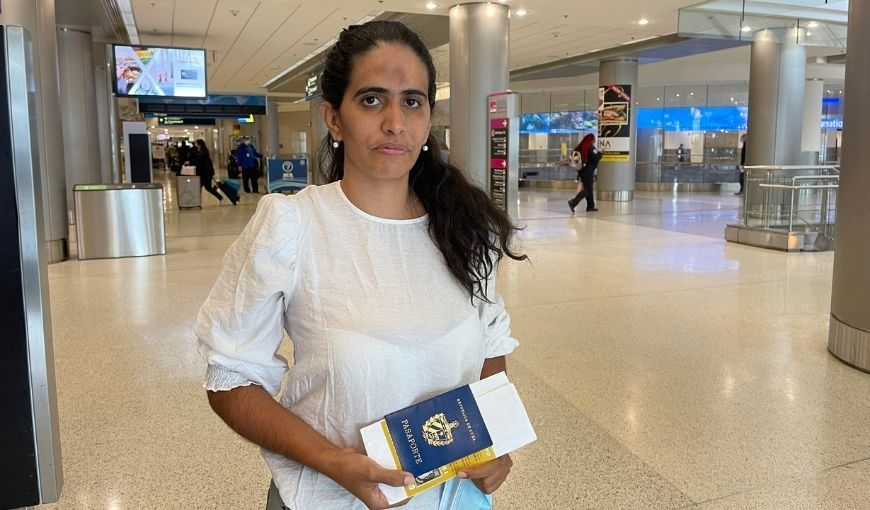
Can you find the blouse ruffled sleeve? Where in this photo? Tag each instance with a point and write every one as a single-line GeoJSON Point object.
{"type": "Point", "coordinates": [240, 326]}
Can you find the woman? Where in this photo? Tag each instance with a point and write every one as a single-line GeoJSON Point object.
{"type": "Point", "coordinates": [589, 156]}
{"type": "Point", "coordinates": [383, 279]}
{"type": "Point", "coordinates": [205, 169]}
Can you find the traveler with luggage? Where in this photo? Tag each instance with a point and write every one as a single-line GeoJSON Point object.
{"type": "Point", "coordinates": [204, 168]}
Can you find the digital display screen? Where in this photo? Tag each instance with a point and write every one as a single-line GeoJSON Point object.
{"type": "Point", "coordinates": [710, 118]}
{"type": "Point", "coordinates": [559, 122]}
{"type": "Point", "coordinates": [158, 71]}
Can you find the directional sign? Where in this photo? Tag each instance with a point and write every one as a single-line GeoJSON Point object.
{"type": "Point", "coordinates": [499, 130]}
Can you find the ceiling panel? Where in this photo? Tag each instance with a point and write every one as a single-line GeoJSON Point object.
{"type": "Point", "coordinates": [309, 28]}
{"type": "Point", "coordinates": [154, 20]}
{"type": "Point", "coordinates": [228, 22]}
{"type": "Point", "coordinates": [251, 41]}
{"type": "Point", "coordinates": [307, 42]}
{"type": "Point", "coordinates": [266, 21]}
{"type": "Point", "coordinates": [191, 22]}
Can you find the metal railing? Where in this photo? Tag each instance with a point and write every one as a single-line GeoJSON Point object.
{"type": "Point", "coordinates": [792, 198]}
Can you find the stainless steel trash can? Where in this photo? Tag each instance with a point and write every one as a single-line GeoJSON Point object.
{"type": "Point", "coordinates": [119, 220]}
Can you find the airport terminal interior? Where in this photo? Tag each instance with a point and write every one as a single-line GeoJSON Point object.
{"type": "Point", "coordinates": [662, 367]}
{"type": "Point", "coordinates": [678, 346]}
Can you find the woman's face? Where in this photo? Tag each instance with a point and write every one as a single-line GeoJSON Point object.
{"type": "Point", "coordinates": [383, 119]}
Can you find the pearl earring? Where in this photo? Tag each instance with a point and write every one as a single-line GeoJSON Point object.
{"type": "Point", "coordinates": [425, 148]}
{"type": "Point", "coordinates": [335, 144]}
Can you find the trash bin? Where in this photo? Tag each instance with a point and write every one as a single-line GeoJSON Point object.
{"type": "Point", "coordinates": [119, 220]}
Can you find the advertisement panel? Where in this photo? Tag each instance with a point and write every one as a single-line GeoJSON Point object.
{"type": "Point", "coordinates": [614, 123]}
{"type": "Point", "coordinates": [158, 71]}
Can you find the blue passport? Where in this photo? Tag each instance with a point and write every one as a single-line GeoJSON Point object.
{"type": "Point", "coordinates": [438, 431]}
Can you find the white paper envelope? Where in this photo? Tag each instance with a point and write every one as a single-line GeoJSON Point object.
{"type": "Point", "coordinates": [502, 411]}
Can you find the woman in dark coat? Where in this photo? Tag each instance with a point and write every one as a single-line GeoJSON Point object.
{"type": "Point", "coordinates": [205, 169]}
{"type": "Point", "coordinates": [590, 156]}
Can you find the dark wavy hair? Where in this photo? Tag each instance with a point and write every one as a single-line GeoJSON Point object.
{"type": "Point", "coordinates": [470, 231]}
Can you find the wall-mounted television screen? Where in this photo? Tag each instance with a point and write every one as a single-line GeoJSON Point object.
{"type": "Point", "coordinates": [159, 71]}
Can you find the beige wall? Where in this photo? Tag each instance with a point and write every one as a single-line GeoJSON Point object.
{"type": "Point", "coordinates": [290, 126]}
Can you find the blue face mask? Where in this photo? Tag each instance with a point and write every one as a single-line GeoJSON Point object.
{"type": "Point", "coordinates": [462, 494]}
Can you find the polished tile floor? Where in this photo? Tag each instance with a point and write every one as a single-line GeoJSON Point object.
{"type": "Point", "coordinates": [661, 366]}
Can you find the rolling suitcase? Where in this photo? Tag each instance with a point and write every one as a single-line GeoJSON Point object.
{"type": "Point", "coordinates": [189, 195]}
{"type": "Point", "coordinates": [230, 189]}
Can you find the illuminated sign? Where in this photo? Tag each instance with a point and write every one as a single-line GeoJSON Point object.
{"type": "Point", "coordinates": [179, 121]}
{"type": "Point", "coordinates": [170, 121]}
{"type": "Point", "coordinates": [311, 86]}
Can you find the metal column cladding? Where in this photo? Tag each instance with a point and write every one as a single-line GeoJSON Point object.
{"type": "Point", "coordinates": [850, 321]}
{"type": "Point", "coordinates": [29, 440]}
{"type": "Point", "coordinates": [479, 35]}
{"type": "Point", "coordinates": [777, 80]}
{"type": "Point", "coordinates": [38, 18]}
{"type": "Point", "coordinates": [617, 126]}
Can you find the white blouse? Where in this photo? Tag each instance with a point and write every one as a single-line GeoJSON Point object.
{"type": "Point", "coordinates": [376, 320]}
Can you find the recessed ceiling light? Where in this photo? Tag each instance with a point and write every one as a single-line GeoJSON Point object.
{"type": "Point", "coordinates": [431, 6]}
{"type": "Point", "coordinates": [643, 21]}
{"type": "Point", "coordinates": [521, 12]}
{"type": "Point", "coordinates": [812, 24]}
{"type": "Point", "coordinates": [809, 34]}
{"type": "Point", "coordinates": [746, 28]}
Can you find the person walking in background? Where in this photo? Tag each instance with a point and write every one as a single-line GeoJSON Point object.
{"type": "Point", "coordinates": [681, 154]}
{"type": "Point", "coordinates": [204, 168]}
{"type": "Point", "coordinates": [589, 156]}
{"type": "Point", "coordinates": [742, 164]}
{"type": "Point", "coordinates": [184, 155]}
{"type": "Point", "coordinates": [248, 158]}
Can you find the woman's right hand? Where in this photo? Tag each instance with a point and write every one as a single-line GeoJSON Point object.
{"type": "Point", "coordinates": [360, 475]}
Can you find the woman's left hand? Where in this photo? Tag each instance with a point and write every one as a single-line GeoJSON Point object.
{"type": "Point", "coordinates": [489, 477]}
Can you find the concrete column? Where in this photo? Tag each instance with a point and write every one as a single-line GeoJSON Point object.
{"type": "Point", "coordinates": [272, 145]}
{"type": "Point", "coordinates": [37, 17]}
{"type": "Point", "coordinates": [850, 323]}
{"type": "Point", "coordinates": [316, 175]}
{"type": "Point", "coordinates": [777, 77]}
{"type": "Point", "coordinates": [479, 36]}
{"type": "Point", "coordinates": [811, 135]}
{"type": "Point", "coordinates": [616, 178]}
{"type": "Point", "coordinates": [81, 140]}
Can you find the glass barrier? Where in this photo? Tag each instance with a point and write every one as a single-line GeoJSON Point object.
{"type": "Point", "coordinates": [792, 198]}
